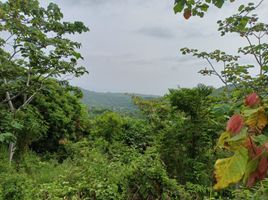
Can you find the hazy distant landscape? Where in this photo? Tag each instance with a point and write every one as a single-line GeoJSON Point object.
{"type": "Point", "coordinates": [118, 102]}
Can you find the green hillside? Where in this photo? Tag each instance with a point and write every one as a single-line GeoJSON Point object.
{"type": "Point", "coordinates": [119, 102]}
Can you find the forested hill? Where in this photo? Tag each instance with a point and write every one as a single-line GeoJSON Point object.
{"type": "Point", "coordinates": [120, 102]}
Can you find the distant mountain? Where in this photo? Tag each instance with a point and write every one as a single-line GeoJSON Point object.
{"type": "Point", "coordinates": [119, 102]}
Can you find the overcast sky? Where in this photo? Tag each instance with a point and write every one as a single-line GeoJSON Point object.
{"type": "Point", "coordinates": [133, 45]}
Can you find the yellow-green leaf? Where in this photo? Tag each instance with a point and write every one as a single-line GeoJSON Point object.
{"type": "Point", "coordinates": [223, 138]}
{"type": "Point", "coordinates": [258, 119]}
{"type": "Point", "coordinates": [232, 143]}
{"type": "Point", "coordinates": [237, 140]}
{"type": "Point", "coordinates": [250, 111]}
{"type": "Point", "coordinates": [231, 170]}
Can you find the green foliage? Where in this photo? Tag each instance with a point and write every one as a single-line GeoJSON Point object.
{"type": "Point", "coordinates": [165, 152]}
{"type": "Point", "coordinates": [183, 123]}
{"type": "Point", "coordinates": [106, 176]}
{"type": "Point", "coordinates": [243, 137]}
{"type": "Point", "coordinates": [230, 69]}
{"type": "Point", "coordinates": [108, 126]}
{"type": "Point", "coordinates": [196, 8]}
{"type": "Point", "coordinates": [149, 180]}
{"type": "Point", "coordinates": [66, 118]}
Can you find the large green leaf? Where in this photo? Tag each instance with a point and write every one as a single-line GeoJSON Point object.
{"type": "Point", "coordinates": [219, 3]}
{"type": "Point", "coordinates": [231, 170]}
{"type": "Point", "coordinates": [179, 6]}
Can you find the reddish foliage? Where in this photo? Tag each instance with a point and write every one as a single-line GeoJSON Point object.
{"type": "Point", "coordinates": [253, 150]}
{"type": "Point", "coordinates": [235, 124]}
{"type": "Point", "coordinates": [262, 167]}
{"type": "Point", "coordinates": [266, 146]}
{"type": "Point", "coordinates": [252, 179]}
{"type": "Point", "coordinates": [261, 171]}
{"type": "Point", "coordinates": [252, 100]}
{"type": "Point", "coordinates": [187, 14]}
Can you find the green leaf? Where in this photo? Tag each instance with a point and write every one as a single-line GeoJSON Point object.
{"type": "Point", "coordinates": [261, 139]}
{"type": "Point", "coordinates": [223, 138]}
{"type": "Point", "coordinates": [16, 125]}
{"type": "Point", "coordinates": [249, 112]}
{"type": "Point", "coordinates": [204, 7]}
{"type": "Point", "coordinates": [219, 3]}
{"type": "Point", "coordinates": [239, 137]}
{"type": "Point", "coordinates": [179, 6]}
{"type": "Point", "coordinates": [265, 68]}
{"type": "Point", "coordinates": [241, 8]}
{"type": "Point", "coordinates": [7, 137]}
{"type": "Point", "coordinates": [231, 170]}
{"type": "Point", "coordinates": [243, 22]}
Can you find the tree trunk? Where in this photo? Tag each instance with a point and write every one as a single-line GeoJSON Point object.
{"type": "Point", "coordinates": [11, 149]}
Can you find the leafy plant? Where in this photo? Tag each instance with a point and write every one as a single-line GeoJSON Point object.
{"type": "Point", "coordinates": [39, 50]}
{"type": "Point", "coordinates": [245, 137]}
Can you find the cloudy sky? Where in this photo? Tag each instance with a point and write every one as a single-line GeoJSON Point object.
{"type": "Point", "coordinates": [133, 45]}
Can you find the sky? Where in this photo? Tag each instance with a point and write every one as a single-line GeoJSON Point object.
{"type": "Point", "coordinates": [134, 45]}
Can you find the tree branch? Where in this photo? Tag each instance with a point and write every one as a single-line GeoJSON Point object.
{"type": "Point", "coordinates": [216, 73]}
{"type": "Point", "coordinates": [255, 56]}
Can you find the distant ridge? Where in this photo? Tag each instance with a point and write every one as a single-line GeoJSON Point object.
{"type": "Point", "coordinates": [120, 102]}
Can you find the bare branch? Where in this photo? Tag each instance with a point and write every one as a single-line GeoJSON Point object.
{"type": "Point", "coordinates": [215, 71]}
{"type": "Point", "coordinates": [255, 56]}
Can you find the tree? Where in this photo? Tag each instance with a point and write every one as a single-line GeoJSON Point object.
{"type": "Point", "coordinates": [196, 7]}
{"type": "Point", "coordinates": [36, 48]}
{"type": "Point", "coordinates": [65, 117]}
{"type": "Point", "coordinates": [230, 69]}
{"type": "Point", "coordinates": [183, 127]}
{"type": "Point", "coordinates": [245, 136]}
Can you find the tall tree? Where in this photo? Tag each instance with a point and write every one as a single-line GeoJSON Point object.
{"type": "Point", "coordinates": [36, 47]}
{"type": "Point", "coordinates": [231, 69]}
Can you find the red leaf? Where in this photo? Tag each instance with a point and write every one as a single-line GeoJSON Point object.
{"type": "Point", "coordinates": [187, 14]}
{"type": "Point", "coordinates": [252, 100]}
{"type": "Point", "coordinates": [263, 164]}
{"type": "Point", "coordinates": [235, 124]}
{"type": "Point", "coordinates": [252, 179]}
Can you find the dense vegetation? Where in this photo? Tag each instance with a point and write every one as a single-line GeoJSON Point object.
{"type": "Point", "coordinates": [52, 147]}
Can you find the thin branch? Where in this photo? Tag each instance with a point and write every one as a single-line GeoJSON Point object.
{"type": "Point", "coordinates": [251, 46]}
{"type": "Point", "coordinates": [254, 7]}
{"type": "Point", "coordinates": [10, 103]}
{"type": "Point", "coordinates": [40, 88]}
{"type": "Point", "coordinates": [9, 38]}
{"type": "Point", "coordinates": [27, 83]}
{"type": "Point", "coordinates": [30, 98]}
{"type": "Point", "coordinates": [259, 4]}
{"type": "Point", "coordinates": [14, 97]}
{"type": "Point", "coordinates": [13, 55]}
{"type": "Point", "coordinates": [215, 71]}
